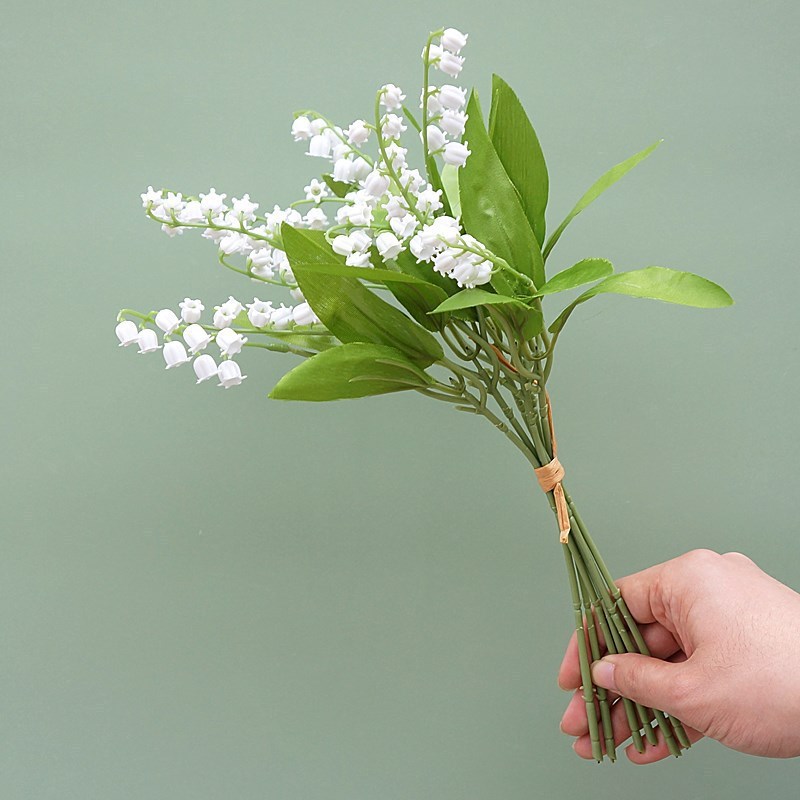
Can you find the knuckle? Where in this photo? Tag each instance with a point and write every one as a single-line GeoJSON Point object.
{"type": "Point", "coordinates": [734, 555]}
{"type": "Point", "coordinates": [701, 557]}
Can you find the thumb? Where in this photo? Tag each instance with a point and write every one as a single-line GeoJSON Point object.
{"type": "Point", "coordinates": [649, 681]}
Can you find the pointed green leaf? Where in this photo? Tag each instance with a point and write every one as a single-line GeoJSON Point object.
{"type": "Point", "coordinates": [469, 298]}
{"type": "Point", "coordinates": [518, 148]}
{"type": "Point", "coordinates": [491, 209]}
{"type": "Point", "coordinates": [339, 188]}
{"type": "Point", "coordinates": [597, 188]}
{"type": "Point", "coordinates": [655, 283]}
{"type": "Point", "coordinates": [586, 271]}
{"type": "Point", "coordinates": [374, 274]}
{"type": "Point", "coordinates": [347, 308]}
{"type": "Point", "coordinates": [450, 186]}
{"type": "Point", "coordinates": [348, 371]}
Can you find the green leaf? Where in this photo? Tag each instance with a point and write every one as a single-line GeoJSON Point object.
{"type": "Point", "coordinates": [374, 274]}
{"type": "Point", "coordinates": [655, 283]}
{"type": "Point", "coordinates": [450, 186]}
{"type": "Point", "coordinates": [349, 310]}
{"type": "Point", "coordinates": [597, 188]}
{"type": "Point", "coordinates": [348, 371]}
{"type": "Point", "coordinates": [491, 209]}
{"type": "Point", "coordinates": [586, 271]}
{"type": "Point", "coordinates": [338, 188]}
{"type": "Point", "coordinates": [469, 298]}
{"type": "Point", "coordinates": [518, 148]}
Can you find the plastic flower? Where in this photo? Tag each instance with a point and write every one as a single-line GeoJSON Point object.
{"type": "Point", "coordinates": [392, 97]}
{"type": "Point", "coordinates": [453, 40]}
{"type": "Point", "coordinates": [148, 341]}
{"type": "Point", "coordinates": [229, 374]}
{"type": "Point", "coordinates": [455, 153]}
{"type": "Point", "coordinates": [196, 337]}
{"type": "Point", "coordinates": [316, 190]}
{"type": "Point", "coordinates": [167, 320]}
{"type": "Point", "coordinates": [175, 354]}
{"type": "Point", "coordinates": [127, 333]}
{"type": "Point", "coordinates": [204, 367]}
{"type": "Point", "coordinates": [230, 343]}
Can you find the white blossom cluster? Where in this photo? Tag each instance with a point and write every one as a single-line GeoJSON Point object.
{"type": "Point", "coordinates": [196, 337]}
{"type": "Point", "coordinates": [390, 207]}
{"type": "Point", "coordinates": [383, 208]}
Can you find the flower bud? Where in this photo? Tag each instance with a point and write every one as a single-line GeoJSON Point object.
{"type": "Point", "coordinates": [196, 338]}
{"type": "Point", "coordinates": [127, 333]}
{"type": "Point", "coordinates": [229, 374]}
{"type": "Point", "coordinates": [204, 367]}
{"type": "Point", "coordinates": [175, 354]}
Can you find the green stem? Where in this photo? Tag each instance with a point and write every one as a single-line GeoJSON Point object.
{"type": "Point", "coordinates": [583, 658]}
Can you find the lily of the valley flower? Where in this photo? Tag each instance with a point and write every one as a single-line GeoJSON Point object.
{"type": "Point", "coordinates": [229, 374]}
{"type": "Point", "coordinates": [230, 343]}
{"type": "Point", "coordinates": [127, 333]}
{"type": "Point", "coordinates": [197, 338]}
{"type": "Point", "coordinates": [148, 341]}
{"type": "Point", "coordinates": [167, 320]}
{"type": "Point", "coordinates": [175, 354]}
{"type": "Point", "coordinates": [204, 367]}
{"type": "Point", "coordinates": [191, 310]}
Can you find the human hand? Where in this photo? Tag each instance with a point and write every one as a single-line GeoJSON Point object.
{"type": "Point", "coordinates": [725, 643]}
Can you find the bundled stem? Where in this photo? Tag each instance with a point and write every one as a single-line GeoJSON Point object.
{"type": "Point", "coordinates": [504, 381]}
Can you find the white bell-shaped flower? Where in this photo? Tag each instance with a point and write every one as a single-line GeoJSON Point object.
{"type": "Point", "coordinates": [127, 333]}
{"type": "Point", "coordinates": [356, 134]}
{"type": "Point", "coordinates": [303, 314]}
{"type": "Point", "coordinates": [452, 122]}
{"type": "Point", "coordinates": [301, 128]}
{"type": "Point", "coordinates": [456, 154]}
{"type": "Point", "coordinates": [191, 310]}
{"type": "Point", "coordinates": [376, 183]}
{"type": "Point", "coordinates": [450, 64]}
{"type": "Point", "coordinates": [230, 343]}
{"type": "Point", "coordinates": [281, 317]}
{"type": "Point", "coordinates": [259, 312]}
{"type": "Point", "coordinates": [452, 97]}
{"type": "Point", "coordinates": [229, 374]}
{"type": "Point", "coordinates": [148, 341]}
{"type": "Point", "coordinates": [436, 138]}
{"type": "Point", "coordinates": [391, 97]}
{"type": "Point", "coordinates": [453, 40]}
{"type": "Point", "coordinates": [167, 320]}
{"type": "Point", "coordinates": [175, 354]}
{"type": "Point", "coordinates": [204, 367]}
{"type": "Point", "coordinates": [388, 245]}
{"type": "Point", "coordinates": [196, 337]}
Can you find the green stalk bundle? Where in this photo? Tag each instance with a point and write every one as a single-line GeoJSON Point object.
{"type": "Point", "coordinates": [504, 379]}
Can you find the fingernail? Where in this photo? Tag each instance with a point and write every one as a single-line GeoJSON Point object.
{"type": "Point", "coordinates": [603, 674]}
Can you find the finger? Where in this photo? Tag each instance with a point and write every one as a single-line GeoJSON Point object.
{"type": "Point", "coordinates": [660, 642]}
{"type": "Point", "coordinates": [647, 593]}
{"type": "Point", "coordinates": [657, 752]}
{"type": "Point", "coordinates": [622, 732]}
{"type": "Point", "coordinates": [649, 681]}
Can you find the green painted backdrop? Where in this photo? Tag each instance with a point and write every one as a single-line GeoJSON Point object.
{"type": "Point", "coordinates": [204, 594]}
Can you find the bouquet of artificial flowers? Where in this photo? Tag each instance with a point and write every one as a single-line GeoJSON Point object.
{"type": "Point", "coordinates": [428, 280]}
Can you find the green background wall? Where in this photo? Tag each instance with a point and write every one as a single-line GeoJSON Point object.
{"type": "Point", "coordinates": [204, 594]}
